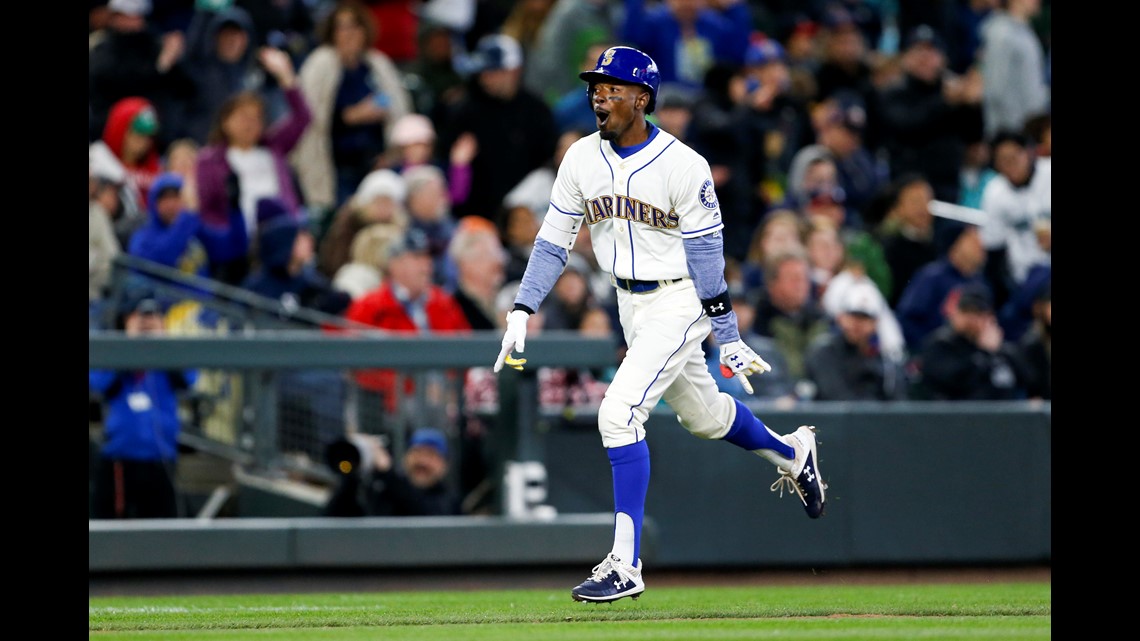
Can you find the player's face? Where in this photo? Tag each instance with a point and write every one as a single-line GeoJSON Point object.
{"type": "Point", "coordinates": [616, 107]}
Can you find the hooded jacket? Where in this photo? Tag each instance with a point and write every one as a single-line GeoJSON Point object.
{"type": "Point", "coordinates": [214, 79]}
{"type": "Point", "coordinates": [141, 423]}
{"type": "Point", "coordinates": [119, 121]}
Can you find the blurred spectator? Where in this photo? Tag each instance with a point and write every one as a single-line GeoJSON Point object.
{"type": "Point", "coordinates": [907, 231]}
{"type": "Point", "coordinates": [1018, 312]}
{"type": "Point", "coordinates": [182, 158]}
{"type": "Point", "coordinates": [525, 21]}
{"type": "Point", "coordinates": [776, 385]}
{"type": "Point", "coordinates": [967, 358]}
{"type": "Point", "coordinates": [824, 198]}
{"type": "Point", "coordinates": [109, 186]}
{"type": "Point", "coordinates": [570, 30]}
{"type": "Point", "coordinates": [429, 210]}
{"type": "Point", "coordinates": [520, 226]}
{"type": "Point", "coordinates": [130, 135]}
{"type": "Point", "coordinates": [966, 34]}
{"type": "Point", "coordinates": [514, 129]}
{"type": "Point", "coordinates": [825, 253]}
{"type": "Point", "coordinates": [1015, 201]}
{"type": "Point", "coordinates": [378, 200]}
{"type": "Point", "coordinates": [367, 257]}
{"type": "Point", "coordinates": [961, 259]}
{"type": "Point", "coordinates": [413, 144]}
{"type": "Point", "coordinates": [773, 124]}
{"type": "Point", "coordinates": [432, 78]}
{"type": "Point", "coordinates": [285, 270]}
{"type": "Point", "coordinates": [1013, 67]}
{"type": "Point", "coordinates": [687, 37]}
{"type": "Point", "coordinates": [844, 66]}
{"type": "Point", "coordinates": [780, 230]}
{"type": "Point", "coordinates": [888, 333]}
{"type": "Point", "coordinates": [847, 364]}
{"type": "Point", "coordinates": [134, 59]}
{"type": "Point", "coordinates": [841, 123]}
{"type": "Point", "coordinates": [926, 122]}
{"type": "Point", "coordinates": [397, 25]}
{"type": "Point", "coordinates": [356, 94]}
{"type": "Point", "coordinates": [787, 313]}
{"type": "Point", "coordinates": [176, 236]}
{"type": "Point", "coordinates": [570, 297]}
{"type": "Point", "coordinates": [220, 59]}
{"type": "Point", "coordinates": [480, 263]}
{"type": "Point", "coordinates": [245, 160]}
{"type": "Point", "coordinates": [674, 110]}
{"type": "Point", "coordinates": [1039, 131]}
{"type": "Point", "coordinates": [1036, 348]}
{"type": "Point", "coordinates": [135, 477]}
{"type": "Point", "coordinates": [405, 302]}
{"type": "Point", "coordinates": [976, 173]}
{"type": "Point", "coordinates": [103, 247]}
{"type": "Point", "coordinates": [369, 484]}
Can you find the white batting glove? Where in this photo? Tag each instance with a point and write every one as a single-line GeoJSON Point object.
{"type": "Point", "coordinates": [513, 338]}
{"type": "Point", "coordinates": [737, 359]}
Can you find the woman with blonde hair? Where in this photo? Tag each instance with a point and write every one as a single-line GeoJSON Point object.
{"type": "Point", "coordinates": [368, 257]}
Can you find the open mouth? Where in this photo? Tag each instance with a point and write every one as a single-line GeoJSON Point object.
{"type": "Point", "coordinates": [602, 116]}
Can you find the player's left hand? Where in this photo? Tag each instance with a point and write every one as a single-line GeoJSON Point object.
{"type": "Point", "coordinates": [737, 359]}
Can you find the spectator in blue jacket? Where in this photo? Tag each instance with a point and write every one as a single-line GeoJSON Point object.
{"type": "Point", "coordinates": [134, 477]}
{"type": "Point", "coordinates": [686, 38]}
{"type": "Point", "coordinates": [962, 258]}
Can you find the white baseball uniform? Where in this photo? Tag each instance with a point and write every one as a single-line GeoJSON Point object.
{"type": "Point", "coordinates": [640, 209]}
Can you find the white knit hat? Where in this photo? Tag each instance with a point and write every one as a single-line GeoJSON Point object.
{"type": "Point", "coordinates": [382, 182]}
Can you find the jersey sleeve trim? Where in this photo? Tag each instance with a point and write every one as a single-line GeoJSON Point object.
{"type": "Point", "coordinates": [701, 232]}
{"type": "Point", "coordinates": [563, 211]}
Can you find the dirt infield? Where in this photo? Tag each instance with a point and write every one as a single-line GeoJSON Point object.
{"type": "Point", "coordinates": [549, 578]}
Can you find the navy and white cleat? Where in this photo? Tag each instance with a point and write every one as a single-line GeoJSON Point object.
{"type": "Point", "coordinates": [803, 477]}
{"type": "Point", "coordinates": [612, 579]}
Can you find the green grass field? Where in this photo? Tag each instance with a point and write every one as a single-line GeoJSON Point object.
{"type": "Point", "coordinates": [1000, 611]}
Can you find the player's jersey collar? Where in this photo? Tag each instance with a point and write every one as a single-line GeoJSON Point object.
{"type": "Point", "coordinates": [626, 152]}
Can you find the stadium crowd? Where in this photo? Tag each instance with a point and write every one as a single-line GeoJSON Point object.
{"type": "Point", "coordinates": [883, 169]}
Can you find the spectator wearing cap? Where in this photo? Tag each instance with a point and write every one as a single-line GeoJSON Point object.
{"type": "Point", "coordinates": [1018, 207]}
{"type": "Point", "coordinates": [245, 159]}
{"type": "Point", "coordinates": [418, 486]}
{"type": "Point", "coordinates": [406, 302]}
{"type": "Point", "coordinates": [285, 270]}
{"type": "Point", "coordinates": [176, 237]}
{"type": "Point", "coordinates": [687, 38]}
{"type": "Point", "coordinates": [129, 135]}
{"type": "Point", "coordinates": [356, 94]}
{"type": "Point", "coordinates": [221, 60]}
{"type": "Point", "coordinates": [133, 60]}
{"type": "Point", "coordinates": [907, 230]}
{"type": "Point", "coordinates": [848, 364]}
{"type": "Point", "coordinates": [513, 129]}
{"type": "Point", "coordinates": [135, 474]}
{"type": "Point", "coordinates": [773, 124]}
{"type": "Point", "coordinates": [922, 306]}
{"type": "Point", "coordinates": [840, 123]}
{"type": "Point", "coordinates": [1013, 67]}
{"type": "Point", "coordinates": [413, 145]}
{"type": "Point", "coordinates": [380, 199]}
{"type": "Point", "coordinates": [967, 358]}
{"type": "Point", "coordinates": [926, 122]}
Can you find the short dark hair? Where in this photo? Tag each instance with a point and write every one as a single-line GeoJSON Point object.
{"type": "Point", "coordinates": [1015, 137]}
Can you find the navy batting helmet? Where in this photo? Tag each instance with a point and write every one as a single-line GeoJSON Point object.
{"type": "Point", "coordinates": [627, 65]}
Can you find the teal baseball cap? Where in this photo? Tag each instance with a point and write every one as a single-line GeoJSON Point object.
{"type": "Point", "coordinates": [145, 122]}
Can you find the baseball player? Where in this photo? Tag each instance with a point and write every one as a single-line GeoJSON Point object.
{"type": "Point", "coordinates": [656, 229]}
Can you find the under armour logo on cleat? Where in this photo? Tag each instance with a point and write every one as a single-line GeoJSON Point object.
{"type": "Point", "coordinates": [618, 584]}
{"type": "Point", "coordinates": [810, 475]}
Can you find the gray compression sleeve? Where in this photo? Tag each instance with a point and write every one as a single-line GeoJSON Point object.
{"type": "Point", "coordinates": [546, 263]}
{"type": "Point", "coordinates": [704, 256]}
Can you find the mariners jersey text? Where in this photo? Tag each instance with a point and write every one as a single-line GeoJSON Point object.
{"type": "Point", "coordinates": [626, 208]}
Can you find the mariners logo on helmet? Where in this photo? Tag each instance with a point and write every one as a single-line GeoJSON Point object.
{"type": "Point", "coordinates": [708, 195]}
{"type": "Point", "coordinates": [626, 65]}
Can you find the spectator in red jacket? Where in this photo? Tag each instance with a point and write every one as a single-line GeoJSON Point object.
{"type": "Point", "coordinates": [406, 302]}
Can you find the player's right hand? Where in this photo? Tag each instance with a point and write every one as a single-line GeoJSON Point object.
{"type": "Point", "coordinates": [513, 338]}
{"type": "Point", "coordinates": [737, 359]}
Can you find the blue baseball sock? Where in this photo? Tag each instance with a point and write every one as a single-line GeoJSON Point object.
{"type": "Point", "coordinates": [750, 433]}
{"type": "Point", "coordinates": [630, 464]}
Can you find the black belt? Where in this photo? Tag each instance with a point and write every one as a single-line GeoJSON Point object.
{"type": "Point", "coordinates": [642, 286]}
